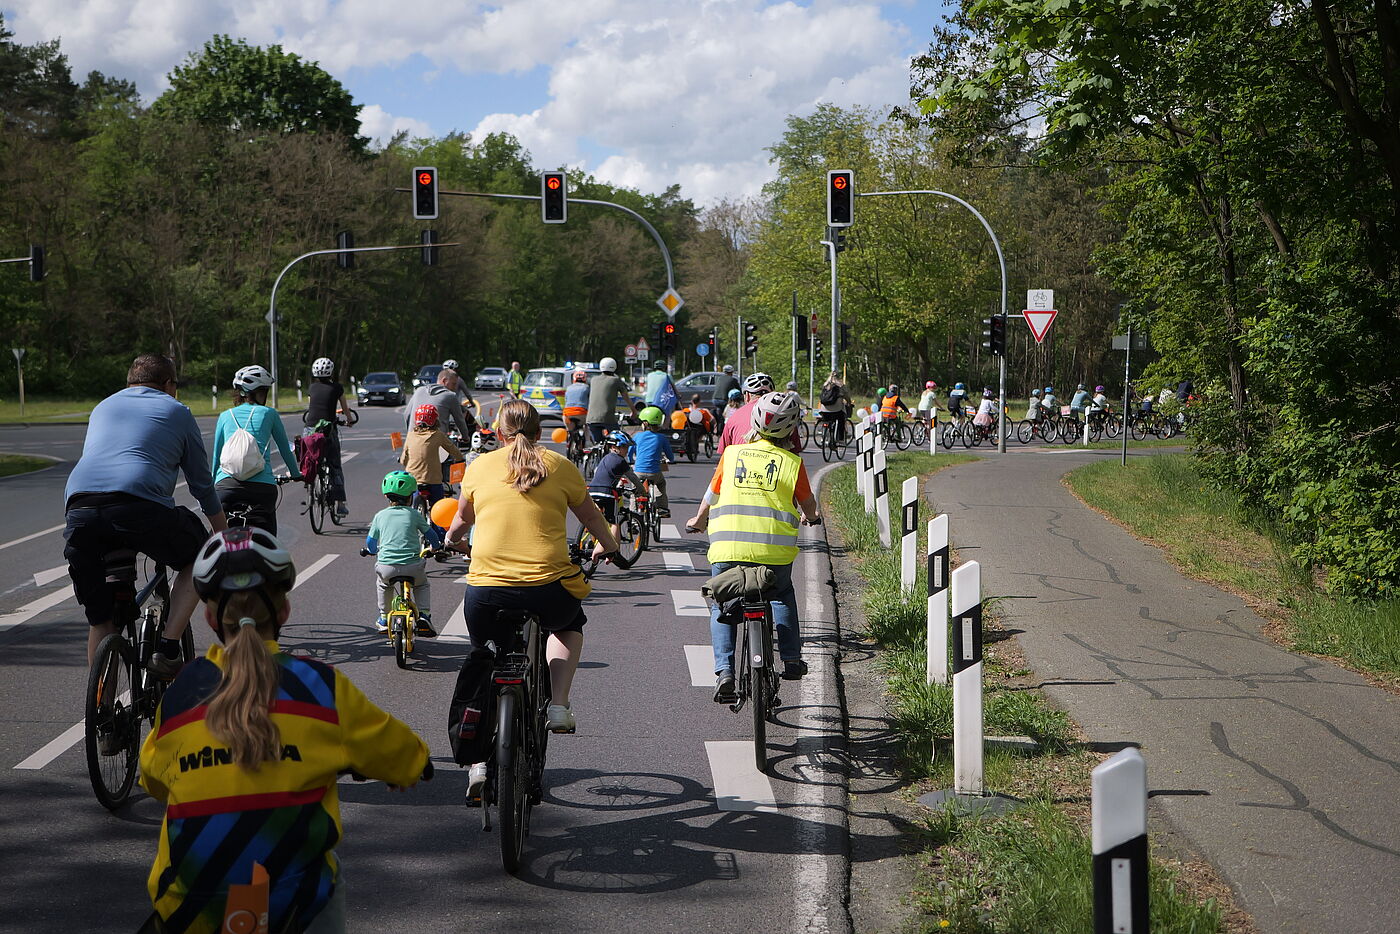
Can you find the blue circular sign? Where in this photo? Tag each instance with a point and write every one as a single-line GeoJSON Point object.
{"type": "Point", "coordinates": [702, 349]}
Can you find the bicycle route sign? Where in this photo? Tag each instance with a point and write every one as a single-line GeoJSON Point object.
{"type": "Point", "coordinates": [1040, 312]}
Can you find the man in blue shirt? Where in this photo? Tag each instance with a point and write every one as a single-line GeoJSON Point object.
{"type": "Point", "coordinates": [120, 495]}
{"type": "Point", "coordinates": [656, 383]}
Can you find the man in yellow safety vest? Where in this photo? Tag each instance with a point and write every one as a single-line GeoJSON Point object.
{"type": "Point", "coordinates": [751, 509]}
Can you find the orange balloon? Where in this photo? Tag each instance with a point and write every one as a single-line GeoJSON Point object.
{"type": "Point", "coordinates": [559, 436]}
{"type": "Point", "coordinates": [443, 511]}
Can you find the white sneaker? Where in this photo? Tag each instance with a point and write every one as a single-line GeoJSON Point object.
{"type": "Point", "coordinates": [560, 719]}
{"type": "Point", "coordinates": [476, 781]}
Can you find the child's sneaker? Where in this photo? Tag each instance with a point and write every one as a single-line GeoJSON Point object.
{"type": "Point", "coordinates": [381, 624]}
{"type": "Point", "coordinates": [425, 626]}
{"type": "Point", "coordinates": [560, 719]}
{"type": "Point", "coordinates": [476, 782]}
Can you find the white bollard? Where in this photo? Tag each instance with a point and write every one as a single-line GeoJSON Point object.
{"type": "Point", "coordinates": [1119, 790]}
{"type": "Point", "coordinates": [937, 557]}
{"type": "Point", "coordinates": [213, 398]}
{"type": "Point", "coordinates": [868, 460]}
{"type": "Point", "coordinates": [860, 429]}
{"type": "Point", "coordinates": [1086, 432]}
{"type": "Point", "coordinates": [298, 392]}
{"type": "Point", "coordinates": [932, 433]}
{"type": "Point", "coordinates": [882, 499]}
{"type": "Point", "coordinates": [908, 535]}
{"type": "Point", "coordinates": [967, 679]}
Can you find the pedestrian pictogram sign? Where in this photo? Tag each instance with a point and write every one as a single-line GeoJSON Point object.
{"type": "Point", "coordinates": [670, 302]}
{"type": "Point", "coordinates": [1040, 322]}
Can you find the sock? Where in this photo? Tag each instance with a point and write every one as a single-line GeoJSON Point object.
{"type": "Point", "coordinates": [170, 648]}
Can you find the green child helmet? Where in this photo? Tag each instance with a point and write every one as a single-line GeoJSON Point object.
{"type": "Point", "coordinates": [652, 415]}
{"type": "Point", "coordinates": [399, 483]}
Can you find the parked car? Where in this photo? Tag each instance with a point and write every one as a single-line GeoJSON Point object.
{"type": "Point", "coordinates": [702, 382]}
{"type": "Point", "coordinates": [427, 374]}
{"type": "Point", "coordinates": [381, 389]}
{"type": "Point", "coordinates": [491, 377]}
{"type": "Point", "coordinates": [544, 389]}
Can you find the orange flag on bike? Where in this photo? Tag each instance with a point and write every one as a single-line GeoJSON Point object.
{"type": "Point", "coordinates": [396, 441]}
{"type": "Point", "coordinates": [456, 472]}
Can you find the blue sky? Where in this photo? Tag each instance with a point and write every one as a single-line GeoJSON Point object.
{"type": "Point", "coordinates": [638, 92]}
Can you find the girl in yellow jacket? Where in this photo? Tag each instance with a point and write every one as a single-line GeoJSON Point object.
{"type": "Point", "coordinates": [245, 752]}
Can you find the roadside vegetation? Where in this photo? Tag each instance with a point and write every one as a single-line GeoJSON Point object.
{"type": "Point", "coordinates": [1212, 535]}
{"type": "Point", "coordinates": [1028, 870]}
{"type": "Point", "coordinates": [11, 464]}
{"type": "Point", "coordinates": [57, 411]}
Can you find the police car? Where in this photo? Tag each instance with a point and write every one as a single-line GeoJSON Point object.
{"type": "Point", "coordinates": [544, 388]}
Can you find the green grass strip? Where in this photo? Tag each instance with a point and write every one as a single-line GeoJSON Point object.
{"type": "Point", "coordinates": [11, 464]}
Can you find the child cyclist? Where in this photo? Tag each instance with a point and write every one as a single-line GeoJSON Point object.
{"type": "Point", "coordinates": [395, 538]}
{"type": "Point", "coordinates": [610, 469]}
{"type": "Point", "coordinates": [245, 751]}
{"type": "Point", "coordinates": [420, 455]}
{"type": "Point", "coordinates": [927, 411]}
{"type": "Point", "coordinates": [652, 455]}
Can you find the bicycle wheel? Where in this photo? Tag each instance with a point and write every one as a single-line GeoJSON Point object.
{"type": "Point", "coordinates": [110, 717]}
{"type": "Point", "coordinates": [1023, 431]}
{"type": "Point", "coordinates": [692, 445]}
{"type": "Point", "coordinates": [826, 443]}
{"type": "Point", "coordinates": [1138, 428]}
{"type": "Point", "coordinates": [512, 781]}
{"type": "Point", "coordinates": [804, 431]}
{"type": "Point", "coordinates": [1113, 423]}
{"type": "Point", "coordinates": [583, 544]}
{"type": "Point", "coordinates": [315, 502]}
{"type": "Point", "coordinates": [758, 696]}
{"type": "Point", "coordinates": [948, 435]}
{"type": "Point", "coordinates": [632, 533]}
{"type": "Point", "coordinates": [902, 436]}
{"type": "Point", "coordinates": [918, 433]}
{"type": "Point", "coordinates": [709, 444]}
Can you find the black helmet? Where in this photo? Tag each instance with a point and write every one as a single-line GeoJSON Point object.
{"type": "Point", "coordinates": [240, 559]}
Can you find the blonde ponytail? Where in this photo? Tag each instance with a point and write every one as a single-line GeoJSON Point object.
{"type": "Point", "coordinates": [520, 426]}
{"type": "Point", "coordinates": [239, 713]}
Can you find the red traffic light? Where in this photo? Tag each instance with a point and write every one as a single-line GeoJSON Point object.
{"type": "Point", "coordinates": [425, 178]}
{"type": "Point", "coordinates": [552, 182]}
{"type": "Point", "coordinates": [839, 182]}
{"type": "Point", "coordinates": [670, 328]}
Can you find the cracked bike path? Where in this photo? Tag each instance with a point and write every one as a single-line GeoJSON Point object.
{"type": "Point", "coordinates": [1298, 759]}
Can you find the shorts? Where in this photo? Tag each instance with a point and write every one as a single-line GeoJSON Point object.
{"type": "Point", "coordinates": [98, 523]}
{"type": "Point", "coordinates": [559, 610]}
{"type": "Point", "coordinates": [607, 505]}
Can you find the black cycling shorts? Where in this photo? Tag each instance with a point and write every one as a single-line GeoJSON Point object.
{"type": "Point", "coordinates": [98, 523]}
{"type": "Point", "coordinates": [607, 505]}
{"type": "Point", "coordinates": [558, 610]}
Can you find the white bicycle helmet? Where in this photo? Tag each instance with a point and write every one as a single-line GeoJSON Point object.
{"type": "Point", "coordinates": [322, 366]}
{"type": "Point", "coordinates": [485, 441]}
{"type": "Point", "coordinates": [775, 415]}
{"type": "Point", "coordinates": [450, 364]}
{"type": "Point", "coordinates": [607, 365]}
{"type": "Point", "coordinates": [757, 383]}
{"type": "Point", "coordinates": [251, 378]}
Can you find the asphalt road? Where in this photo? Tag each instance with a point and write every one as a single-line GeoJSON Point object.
{"type": "Point", "coordinates": [654, 818]}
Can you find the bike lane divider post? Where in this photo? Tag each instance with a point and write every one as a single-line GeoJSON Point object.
{"type": "Point", "coordinates": [908, 535]}
{"type": "Point", "coordinates": [867, 460]}
{"type": "Point", "coordinates": [937, 557]}
{"type": "Point", "coordinates": [968, 794]}
{"type": "Point", "coordinates": [860, 430]}
{"type": "Point", "coordinates": [882, 499]}
{"type": "Point", "coordinates": [1119, 837]}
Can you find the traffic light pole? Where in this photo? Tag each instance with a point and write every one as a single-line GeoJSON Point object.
{"type": "Point", "coordinates": [272, 316]}
{"type": "Point", "coordinates": [835, 303]}
{"type": "Point", "coordinates": [1001, 259]}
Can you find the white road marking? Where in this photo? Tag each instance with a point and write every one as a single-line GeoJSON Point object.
{"type": "Point", "coordinates": [314, 569]}
{"type": "Point", "coordinates": [44, 578]}
{"type": "Point", "coordinates": [32, 536]}
{"type": "Point", "coordinates": [670, 530]}
{"type": "Point", "coordinates": [739, 786]}
{"type": "Point", "coordinates": [54, 748]}
{"type": "Point", "coordinates": [689, 603]}
{"type": "Point", "coordinates": [456, 628]}
{"type": "Point", "coordinates": [678, 561]}
{"type": "Point", "coordinates": [701, 660]}
{"type": "Point", "coordinates": [32, 609]}
{"type": "Point", "coordinates": [348, 455]}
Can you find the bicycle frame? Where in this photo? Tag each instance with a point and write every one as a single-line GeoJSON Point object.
{"type": "Point", "coordinates": [756, 681]}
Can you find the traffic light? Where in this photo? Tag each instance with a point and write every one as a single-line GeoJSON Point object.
{"type": "Point", "coordinates": [345, 240]}
{"type": "Point", "coordinates": [429, 253]}
{"type": "Point", "coordinates": [668, 339]}
{"type": "Point", "coordinates": [36, 263]}
{"type": "Point", "coordinates": [817, 347]}
{"type": "Point", "coordinates": [800, 323]}
{"type": "Point", "coordinates": [837, 238]}
{"type": "Point", "coordinates": [425, 195]}
{"type": "Point", "coordinates": [997, 335]}
{"type": "Point", "coordinates": [840, 197]}
{"type": "Point", "coordinates": [845, 340]}
{"type": "Point", "coordinates": [554, 197]}
{"type": "Point", "coordinates": [714, 345]}
{"type": "Point", "coordinates": [750, 339]}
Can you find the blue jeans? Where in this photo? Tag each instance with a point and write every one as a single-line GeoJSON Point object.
{"type": "Point", "coordinates": [784, 600]}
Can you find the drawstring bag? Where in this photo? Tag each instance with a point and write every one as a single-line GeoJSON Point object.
{"type": "Point", "coordinates": [241, 457]}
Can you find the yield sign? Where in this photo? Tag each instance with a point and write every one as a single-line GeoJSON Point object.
{"type": "Point", "coordinates": [1039, 322]}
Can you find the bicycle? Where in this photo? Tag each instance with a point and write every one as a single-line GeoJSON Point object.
{"type": "Point", "coordinates": [896, 432]}
{"type": "Point", "coordinates": [402, 617]}
{"type": "Point", "coordinates": [831, 439]}
{"type": "Point", "coordinates": [576, 444]}
{"type": "Point", "coordinates": [919, 433]}
{"type": "Point", "coordinates": [515, 773]}
{"type": "Point", "coordinates": [632, 533]}
{"type": "Point", "coordinates": [121, 693]}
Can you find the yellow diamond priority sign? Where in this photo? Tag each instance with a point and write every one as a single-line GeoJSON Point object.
{"type": "Point", "coordinates": [670, 302]}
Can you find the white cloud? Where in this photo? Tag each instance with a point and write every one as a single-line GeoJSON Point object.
{"type": "Point", "coordinates": [380, 125]}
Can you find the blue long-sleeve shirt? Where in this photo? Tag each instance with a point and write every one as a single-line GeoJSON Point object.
{"type": "Point", "coordinates": [651, 446]}
{"type": "Point", "coordinates": [265, 425]}
{"type": "Point", "coordinates": [137, 441]}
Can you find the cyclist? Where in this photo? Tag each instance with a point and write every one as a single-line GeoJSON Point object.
{"type": "Point", "coordinates": [517, 499]}
{"type": "Point", "coordinates": [927, 411]}
{"type": "Point", "coordinates": [463, 396]}
{"type": "Point", "coordinates": [1034, 411]}
{"type": "Point", "coordinates": [576, 401]}
{"type": "Point", "coordinates": [656, 382]}
{"type": "Point", "coordinates": [733, 403]}
{"type": "Point", "coordinates": [327, 401]}
{"type": "Point", "coordinates": [1078, 403]}
{"type": "Point", "coordinates": [697, 417]}
{"type": "Point", "coordinates": [613, 466]}
{"type": "Point", "coordinates": [246, 748]}
{"type": "Point", "coordinates": [421, 448]}
{"type": "Point", "coordinates": [755, 523]}
{"type": "Point", "coordinates": [725, 382]}
{"type": "Point", "coordinates": [1050, 406]}
{"type": "Point", "coordinates": [957, 400]}
{"type": "Point", "coordinates": [986, 410]}
{"type": "Point", "coordinates": [120, 495]}
{"type": "Point", "coordinates": [1098, 405]}
{"type": "Point", "coordinates": [603, 392]}
{"type": "Point", "coordinates": [891, 405]}
{"type": "Point", "coordinates": [395, 538]}
{"type": "Point", "coordinates": [442, 395]}
{"type": "Point", "coordinates": [736, 427]}
{"type": "Point", "coordinates": [836, 405]}
{"type": "Point", "coordinates": [652, 456]}
{"type": "Point", "coordinates": [515, 379]}
{"type": "Point", "coordinates": [257, 490]}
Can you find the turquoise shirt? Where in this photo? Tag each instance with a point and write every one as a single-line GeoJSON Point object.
{"type": "Point", "coordinates": [398, 532]}
{"type": "Point", "coordinates": [266, 426]}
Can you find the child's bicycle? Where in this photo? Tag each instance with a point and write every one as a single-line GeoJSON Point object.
{"type": "Point", "coordinates": [403, 611]}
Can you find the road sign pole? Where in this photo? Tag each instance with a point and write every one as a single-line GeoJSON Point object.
{"type": "Point", "coordinates": [1127, 363]}
{"type": "Point", "coordinates": [739, 350]}
{"type": "Point", "coordinates": [19, 365]}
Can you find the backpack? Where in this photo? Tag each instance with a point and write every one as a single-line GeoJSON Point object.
{"type": "Point", "coordinates": [471, 714]}
{"type": "Point", "coordinates": [831, 394]}
{"type": "Point", "coordinates": [241, 456]}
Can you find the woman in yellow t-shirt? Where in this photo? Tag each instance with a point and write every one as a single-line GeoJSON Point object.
{"type": "Point", "coordinates": [517, 498]}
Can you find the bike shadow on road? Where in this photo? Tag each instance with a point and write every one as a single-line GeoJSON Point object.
{"type": "Point", "coordinates": [346, 644]}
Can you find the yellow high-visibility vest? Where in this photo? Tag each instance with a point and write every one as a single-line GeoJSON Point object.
{"type": "Point", "coordinates": [754, 518]}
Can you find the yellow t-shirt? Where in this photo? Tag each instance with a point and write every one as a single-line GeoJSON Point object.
{"type": "Point", "coordinates": [520, 539]}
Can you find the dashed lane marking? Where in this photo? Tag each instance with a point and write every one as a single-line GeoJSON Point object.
{"type": "Point", "coordinates": [678, 561]}
{"type": "Point", "coordinates": [689, 603]}
{"type": "Point", "coordinates": [44, 578]}
{"type": "Point", "coordinates": [456, 628]}
{"type": "Point", "coordinates": [670, 531]}
{"type": "Point", "coordinates": [314, 569]}
{"type": "Point", "coordinates": [30, 537]}
{"type": "Point", "coordinates": [739, 786]}
{"type": "Point", "coordinates": [32, 609]}
{"type": "Point", "coordinates": [349, 455]}
{"type": "Point", "coordinates": [701, 661]}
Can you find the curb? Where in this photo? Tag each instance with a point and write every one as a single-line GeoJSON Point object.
{"type": "Point", "coordinates": [53, 462]}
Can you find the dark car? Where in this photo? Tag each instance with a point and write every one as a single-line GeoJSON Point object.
{"type": "Point", "coordinates": [381, 389]}
{"type": "Point", "coordinates": [427, 375]}
{"type": "Point", "coordinates": [703, 383]}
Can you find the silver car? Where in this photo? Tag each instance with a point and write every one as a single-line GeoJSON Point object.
{"type": "Point", "coordinates": [491, 377]}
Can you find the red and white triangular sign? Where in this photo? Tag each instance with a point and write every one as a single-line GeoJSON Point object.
{"type": "Point", "coordinates": [1039, 322]}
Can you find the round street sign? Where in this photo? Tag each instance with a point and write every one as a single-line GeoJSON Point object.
{"type": "Point", "coordinates": [702, 349]}
{"type": "Point", "coordinates": [630, 351]}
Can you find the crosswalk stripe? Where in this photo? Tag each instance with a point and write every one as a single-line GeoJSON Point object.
{"type": "Point", "coordinates": [739, 786]}
{"type": "Point", "coordinates": [678, 561]}
{"type": "Point", "coordinates": [700, 659]}
{"type": "Point", "coordinates": [689, 603]}
{"type": "Point", "coordinates": [670, 530]}
{"type": "Point", "coordinates": [32, 609]}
